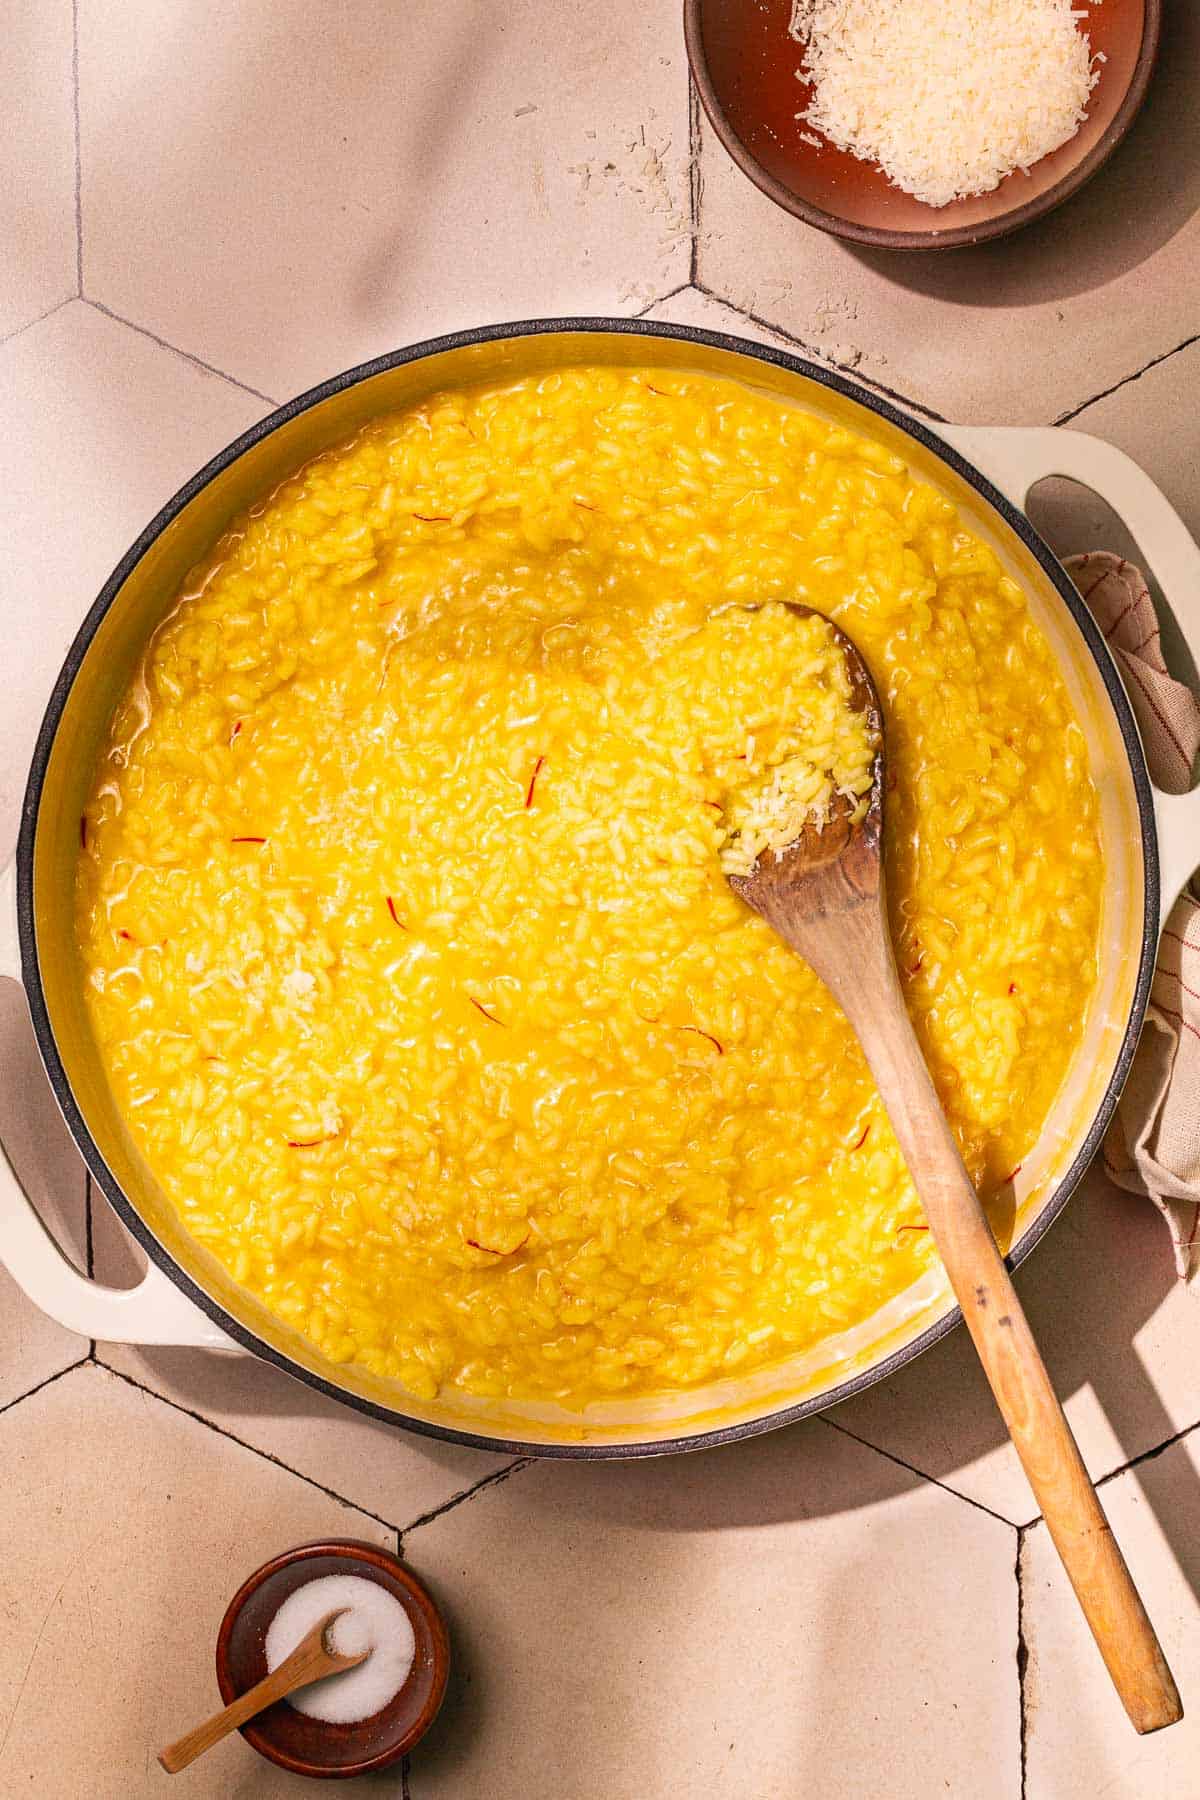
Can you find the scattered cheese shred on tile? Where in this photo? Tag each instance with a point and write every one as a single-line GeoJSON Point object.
{"type": "Point", "coordinates": [947, 97]}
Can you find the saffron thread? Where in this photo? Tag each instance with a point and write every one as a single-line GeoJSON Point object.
{"type": "Point", "coordinates": [488, 1251]}
{"type": "Point", "coordinates": [538, 766]}
{"type": "Point", "coordinates": [480, 1007]}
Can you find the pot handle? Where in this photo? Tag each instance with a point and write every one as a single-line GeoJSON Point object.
{"type": "Point", "coordinates": [1015, 457]}
{"type": "Point", "coordinates": [153, 1312]}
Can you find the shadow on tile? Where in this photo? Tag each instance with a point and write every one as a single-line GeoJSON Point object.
{"type": "Point", "coordinates": [711, 1488]}
{"type": "Point", "coordinates": [427, 148]}
{"type": "Point", "coordinates": [32, 1130]}
{"type": "Point", "coordinates": [1135, 205]}
{"type": "Point", "coordinates": [612, 1637]}
{"type": "Point", "coordinates": [937, 1416]}
{"type": "Point", "coordinates": [1093, 1288]}
{"type": "Point", "coordinates": [779, 1476]}
{"type": "Point", "coordinates": [235, 1391]}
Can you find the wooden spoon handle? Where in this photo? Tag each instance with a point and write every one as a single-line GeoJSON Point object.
{"type": "Point", "coordinates": [1012, 1362]}
{"type": "Point", "coordinates": [308, 1662]}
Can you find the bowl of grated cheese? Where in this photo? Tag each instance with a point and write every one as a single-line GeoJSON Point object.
{"type": "Point", "coordinates": [917, 125]}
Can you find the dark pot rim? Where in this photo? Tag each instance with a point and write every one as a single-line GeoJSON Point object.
{"type": "Point", "coordinates": [649, 331]}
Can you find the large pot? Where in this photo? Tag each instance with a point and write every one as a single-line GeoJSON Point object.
{"type": "Point", "coordinates": [1150, 844]}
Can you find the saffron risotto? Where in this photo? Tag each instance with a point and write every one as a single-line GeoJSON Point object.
{"type": "Point", "coordinates": [406, 938]}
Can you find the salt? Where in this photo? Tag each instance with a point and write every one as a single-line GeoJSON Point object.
{"type": "Point", "coordinates": [376, 1621]}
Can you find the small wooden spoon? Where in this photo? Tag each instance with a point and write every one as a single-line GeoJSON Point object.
{"type": "Point", "coordinates": [309, 1661]}
{"type": "Point", "coordinates": [824, 896]}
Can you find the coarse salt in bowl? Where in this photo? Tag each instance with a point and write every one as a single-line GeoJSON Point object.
{"type": "Point", "coordinates": [397, 1691]}
{"type": "Point", "coordinates": [375, 1622]}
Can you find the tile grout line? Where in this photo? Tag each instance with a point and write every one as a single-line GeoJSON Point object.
{"type": "Point", "coordinates": [695, 180]}
{"type": "Point", "coordinates": [197, 361]}
{"type": "Point", "coordinates": [662, 299]}
{"type": "Point", "coordinates": [1022, 1659]}
{"type": "Point", "coordinates": [1135, 1462]}
{"type": "Point", "coordinates": [1073, 412]}
{"type": "Point", "coordinates": [933, 1481]}
{"type": "Point", "coordinates": [29, 324]}
{"type": "Point", "coordinates": [78, 149]}
{"type": "Point", "coordinates": [48, 1382]}
{"type": "Point", "coordinates": [487, 1481]}
{"type": "Point", "coordinates": [868, 381]}
{"type": "Point", "coordinates": [254, 1449]}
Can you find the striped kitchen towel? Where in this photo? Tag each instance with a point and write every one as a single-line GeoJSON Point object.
{"type": "Point", "coordinates": [1153, 1144]}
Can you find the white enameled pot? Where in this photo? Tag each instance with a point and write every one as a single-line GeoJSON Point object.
{"type": "Point", "coordinates": [1151, 843]}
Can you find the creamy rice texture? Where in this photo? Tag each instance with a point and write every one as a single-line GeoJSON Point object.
{"type": "Point", "coordinates": [400, 907]}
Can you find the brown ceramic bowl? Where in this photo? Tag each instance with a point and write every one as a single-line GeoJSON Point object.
{"type": "Point", "coordinates": [311, 1746]}
{"type": "Point", "coordinates": [744, 65]}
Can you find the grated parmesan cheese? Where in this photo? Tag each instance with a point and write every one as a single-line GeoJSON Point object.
{"type": "Point", "coordinates": [947, 97]}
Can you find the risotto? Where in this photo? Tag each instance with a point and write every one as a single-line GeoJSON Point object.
{"type": "Point", "coordinates": [818, 748]}
{"type": "Point", "coordinates": [400, 902]}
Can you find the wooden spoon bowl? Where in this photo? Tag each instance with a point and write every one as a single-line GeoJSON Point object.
{"type": "Point", "coordinates": [824, 895]}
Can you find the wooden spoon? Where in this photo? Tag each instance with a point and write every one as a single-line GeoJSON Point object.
{"type": "Point", "coordinates": [309, 1661]}
{"type": "Point", "coordinates": [824, 896]}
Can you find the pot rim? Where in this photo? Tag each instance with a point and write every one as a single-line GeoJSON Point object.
{"type": "Point", "coordinates": [648, 330]}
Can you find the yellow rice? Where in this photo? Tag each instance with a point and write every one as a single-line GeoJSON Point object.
{"type": "Point", "coordinates": [405, 935]}
{"type": "Point", "coordinates": [817, 747]}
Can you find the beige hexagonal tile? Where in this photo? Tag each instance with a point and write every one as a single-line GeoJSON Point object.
{"type": "Point", "coordinates": [315, 185]}
{"type": "Point", "coordinates": [1016, 331]}
{"type": "Point", "coordinates": [33, 1347]}
{"type": "Point", "coordinates": [37, 162]}
{"type": "Point", "coordinates": [692, 306]}
{"type": "Point", "coordinates": [1118, 1331]}
{"type": "Point", "coordinates": [126, 1528]}
{"type": "Point", "coordinates": [1154, 420]}
{"type": "Point", "coordinates": [395, 1475]}
{"type": "Point", "coordinates": [1079, 1744]}
{"type": "Point", "coordinates": [789, 1616]}
{"type": "Point", "coordinates": [101, 426]}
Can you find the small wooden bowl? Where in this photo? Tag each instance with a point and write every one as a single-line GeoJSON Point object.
{"type": "Point", "coordinates": [311, 1746]}
{"type": "Point", "coordinates": [744, 65]}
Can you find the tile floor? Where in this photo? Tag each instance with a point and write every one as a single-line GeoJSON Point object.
{"type": "Point", "coordinates": [204, 210]}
